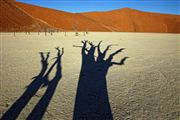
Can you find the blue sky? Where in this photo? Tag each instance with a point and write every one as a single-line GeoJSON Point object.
{"type": "Point", "coordinates": [75, 6]}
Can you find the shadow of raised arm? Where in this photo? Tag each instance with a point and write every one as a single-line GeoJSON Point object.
{"type": "Point", "coordinates": [41, 107]}
{"type": "Point", "coordinates": [13, 112]}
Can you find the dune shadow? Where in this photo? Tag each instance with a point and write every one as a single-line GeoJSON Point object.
{"type": "Point", "coordinates": [41, 80]}
{"type": "Point", "coordinates": [92, 102]}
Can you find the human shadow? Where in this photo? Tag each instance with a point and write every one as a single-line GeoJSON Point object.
{"type": "Point", "coordinates": [40, 108]}
{"type": "Point", "coordinates": [13, 112]}
{"type": "Point", "coordinates": [39, 81]}
{"type": "Point", "coordinates": [92, 102]}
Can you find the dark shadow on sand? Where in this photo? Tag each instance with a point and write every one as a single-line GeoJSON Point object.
{"type": "Point", "coordinates": [40, 80]}
{"type": "Point", "coordinates": [92, 102]}
{"type": "Point", "coordinates": [40, 108]}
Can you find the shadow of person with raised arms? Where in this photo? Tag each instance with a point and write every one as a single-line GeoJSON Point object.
{"type": "Point", "coordinates": [92, 102]}
{"type": "Point", "coordinates": [13, 112]}
{"type": "Point", "coordinates": [40, 108]}
{"type": "Point", "coordinates": [42, 80]}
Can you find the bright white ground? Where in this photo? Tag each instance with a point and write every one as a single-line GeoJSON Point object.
{"type": "Point", "coordinates": [145, 88]}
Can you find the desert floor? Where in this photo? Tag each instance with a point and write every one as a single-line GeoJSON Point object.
{"type": "Point", "coordinates": [145, 88]}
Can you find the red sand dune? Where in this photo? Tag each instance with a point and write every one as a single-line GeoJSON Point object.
{"type": "Point", "coordinates": [33, 18]}
{"type": "Point", "coordinates": [130, 20]}
{"type": "Point", "coordinates": [13, 18]}
{"type": "Point", "coordinates": [61, 19]}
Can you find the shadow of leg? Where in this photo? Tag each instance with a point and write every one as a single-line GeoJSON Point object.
{"type": "Point", "coordinates": [40, 108]}
{"type": "Point", "coordinates": [13, 112]}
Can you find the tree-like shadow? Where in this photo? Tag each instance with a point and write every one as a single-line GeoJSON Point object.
{"type": "Point", "coordinates": [40, 80]}
{"type": "Point", "coordinates": [92, 102]}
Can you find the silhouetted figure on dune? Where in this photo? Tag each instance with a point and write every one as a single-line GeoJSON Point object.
{"type": "Point", "coordinates": [92, 101]}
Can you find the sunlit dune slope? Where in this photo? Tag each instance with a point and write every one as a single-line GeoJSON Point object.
{"type": "Point", "coordinates": [12, 18]}
{"type": "Point", "coordinates": [130, 20]}
{"type": "Point", "coordinates": [17, 16]}
{"type": "Point", "coordinates": [61, 19]}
